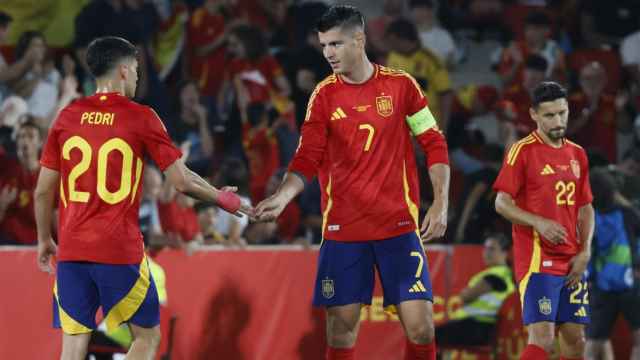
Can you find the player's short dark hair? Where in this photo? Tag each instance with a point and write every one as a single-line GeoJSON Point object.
{"type": "Point", "coordinates": [537, 18]}
{"type": "Point", "coordinates": [24, 41]}
{"type": "Point", "coordinates": [503, 241]}
{"type": "Point", "coordinates": [421, 3]}
{"type": "Point", "coordinates": [547, 91]}
{"type": "Point", "coordinates": [104, 53]}
{"type": "Point", "coordinates": [537, 63]}
{"type": "Point", "coordinates": [343, 16]}
{"type": "Point", "coordinates": [604, 187]}
{"type": "Point", "coordinates": [403, 29]}
{"type": "Point", "coordinates": [5, 19]}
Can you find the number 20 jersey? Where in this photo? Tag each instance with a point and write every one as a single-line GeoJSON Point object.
{"type": "Point", "coordinates": [552, 183]}
{"type": "Point", "coordinates": [98, 144]}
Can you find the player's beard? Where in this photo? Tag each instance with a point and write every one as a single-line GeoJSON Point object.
{"type": "Point", "coordinates": [557, 133]}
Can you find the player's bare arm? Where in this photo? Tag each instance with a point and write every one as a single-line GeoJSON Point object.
{"type": "Point", "coordinates": [270, 208]}
{"type": "Point", "coordinates": [435, 221]}
{"type": "Point", "coordinates": [579, 262]}
{"type": "Point", "coordinates": [43, 203]}
{"type": "Point", "coordinates": [190, 183]}
{"type": "Point", "coordinates": [550, 230]}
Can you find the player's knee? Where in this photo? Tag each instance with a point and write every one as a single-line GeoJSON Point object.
{"type": "Point", "coordinates": [544, 340]}
{"type": "Point", "coordinates": [420, 333]}
{"type": "Point", "coordinates": [150, 338]}
{"type": "Point", "coordinates": [575, 346]}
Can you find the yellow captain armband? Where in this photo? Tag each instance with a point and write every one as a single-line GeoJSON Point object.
{"type": "Point", "coordinates": [421, 121]}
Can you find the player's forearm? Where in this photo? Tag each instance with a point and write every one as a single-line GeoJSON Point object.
{"type": "Point", "coordinates": [197, 187]}
{"type": "Point", "coordinates": [439, 175]}
{"type": "Point", "coordinates": [291, 186]}
{"type": "Point", "coordinates": [506, 207]}
{"type": "Point", "coordinates": [586, 222]}
{"type": "Point", "coordinates": [43, 206]}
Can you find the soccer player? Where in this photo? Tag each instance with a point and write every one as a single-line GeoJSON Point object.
{"type": "Point", "coordinates": [543, 189]}
{"type": "Point", "coordinates": [356, 137]}
{"type": "Point", "coordinates": [94, 156]}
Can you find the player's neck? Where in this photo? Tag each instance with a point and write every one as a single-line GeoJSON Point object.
{"type": "Point", "coordinates": [109, 86]}
{"type": "Point", "coordinates": [547, 140]}
{"type": "Point", "coordinates": [361, 74]}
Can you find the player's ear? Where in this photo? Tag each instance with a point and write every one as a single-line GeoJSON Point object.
{"type": "Point", "coordinates": [533, 114]}
{"type": "Point", "coordinates": [360, 38]}
{"type": "Point", "coordinates": [122, 71]}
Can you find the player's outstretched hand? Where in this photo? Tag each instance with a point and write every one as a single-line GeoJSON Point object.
{"type": "Point", "coordinates": [270, 208]}
{"type": "Point", "coordinates": [578, 266]}
{"type": "Point", "coordinates": [435, 222]}
{"type": "Point", "coordinates": [46, 251]}
{"type": "Point", "coordinates": [551, 231]}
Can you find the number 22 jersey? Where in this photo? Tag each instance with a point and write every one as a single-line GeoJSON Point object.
{"type": "Point", "coordinates": [98, 144]}
{"type": "Point", "coordinates": [552, 183]}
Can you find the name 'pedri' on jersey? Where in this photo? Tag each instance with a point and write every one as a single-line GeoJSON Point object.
{"type": "Point", "coordinates": [98, 144]}
{"type": "Point", "coordinates": [357, 140]}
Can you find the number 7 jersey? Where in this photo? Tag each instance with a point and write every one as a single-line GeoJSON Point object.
{"type": "Point", "coordinates": [356, 137]}
{"type": "Point", "coordinates": [98, 144]}
{"type": "Point", "coordinates": [552, 183]}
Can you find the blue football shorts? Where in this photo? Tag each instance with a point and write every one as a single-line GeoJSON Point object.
{"type": "Point", "coordinates": [545, 297]}
{"type": "Point", "coordinates": [346, 271]}
{"type": "Point", "coordinates": [126, 293]}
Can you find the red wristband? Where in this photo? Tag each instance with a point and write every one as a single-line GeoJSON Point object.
{"type": "Point", "coordinates": [228, 201]}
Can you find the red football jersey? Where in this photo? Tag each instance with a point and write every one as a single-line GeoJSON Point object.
{"type": "Point", "coordinates": [98, 144]}
{"type": "Point", "coordinates": [19, 223]}
{"type": "Point", "coordinates": [552, 183]}
{"type": "Point", "coordinates": [258, 77]}
{"type": "Point", "coordinates": [261, 148]}
{"type": "Point", "coordinates": [356, 138]}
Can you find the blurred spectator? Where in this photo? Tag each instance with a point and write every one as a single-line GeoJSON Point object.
{"type": "Point", "coordinates": [474, 323]}
{"type": "Point", "coordinates": [231, 227]}
{"type": "Point", "coordinates": [192, 128]}
{"type": "Point", "coordinates": [432, 36]}
{"type": "Point", "coordinates": [510, 61]}
{"type": "Point", "coordinates": [12, 111]}
{"type": "Point", "coordinates": [630, 53]}
{"type": "Point", "coordinates": [285, 228]}
{"type": "Point", "coordinates": [180, 221]}
{"type": "Point", "coordinates": [149, 216]}
{"type": "Point", "coordinates": [170, 41]}
{"type": "Point", "coordinates": [597, 117]}
{"type": "Point", "coordinates": [477, 213]}
{"type": "Point", "coordinates": [206, 39]}
{"type": "Point", "coordinates": [207, 215]}
{"type": "Point", "coordinates": [261, 148]}
{"type": "Point", "coordinates": [407, 54]}
{"type": "Point", "coordinates": [614, 270]}
{"type": "Point", "coordinates": [17, 183]}
{"type": "Point", "coordinates": [10, 73]}
{"type": "Point", "coordinates": [252, 70]}
{"type": "Point", "coordinates": [606, 22]}
{"type": "Point", "coordinates": [627, 173]}
{"type": "Point", "coordinates": [513, 109]}
{"type": "Point", "coordinates": [40, 85]}
{"type": "Point", "coordinates": [279, 35]}
{"type": "Point", "coordinates": [377, 27]}
{"type": "Point", "coordinates": [309, 68]}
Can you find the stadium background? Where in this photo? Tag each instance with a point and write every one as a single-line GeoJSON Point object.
{"type": "Point", "coordinates": [247, 295]}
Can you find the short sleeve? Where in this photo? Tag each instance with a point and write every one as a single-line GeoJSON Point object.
{"type": "Point", "coordinates": [157, 142]}
{"type": "Point", "coordinates": [50, 157]}
{"type": "Point", "coordinates": [586, 197]}
{"type": "Point", "coordinates": [512, 174]}
{"type": "Point", "coordinates": [415, 99]}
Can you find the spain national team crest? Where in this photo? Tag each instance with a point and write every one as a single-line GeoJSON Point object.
{"type": "Point", "coordinates": [327, 288]}
{"type": "Point", "coordinates": [545, 306]}
{"type": "Point", "coordinates": [575, 168]}
{"type": "Point", "coordinates": [384, 105]}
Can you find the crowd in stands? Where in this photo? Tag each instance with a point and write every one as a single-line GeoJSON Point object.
{"type": "Point", "coordinates": [231, 80]}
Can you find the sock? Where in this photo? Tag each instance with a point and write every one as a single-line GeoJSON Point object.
{"type": "Point", "coordinates": [533, 352]}
{"type": "Point", "coordinates": [340, 353]}
{"type": "Point", "coordinates": [420, 351]}
{"type": "Point", "coordinates": [566, 358]}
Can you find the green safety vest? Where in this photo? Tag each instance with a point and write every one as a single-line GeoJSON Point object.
{"type": "Point", "coordinates": [485, 308]}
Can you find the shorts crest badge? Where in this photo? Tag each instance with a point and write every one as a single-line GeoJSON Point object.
{"type": "Point", "coordinates": [327, 288]}
{"type": "Point", "coordinates": [384, 105]}
{"type": "Point", "coordinates": [545, 306]}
